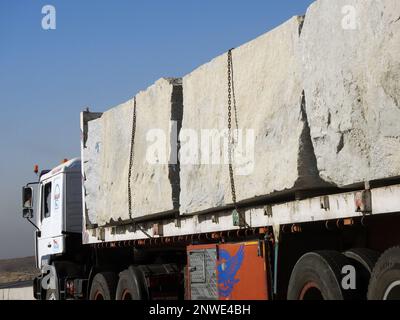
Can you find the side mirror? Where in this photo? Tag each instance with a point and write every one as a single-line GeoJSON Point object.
{"type": "Point", "coordinates": [27, 213]}
{"type": "Point", "coordinates": [27, 202]}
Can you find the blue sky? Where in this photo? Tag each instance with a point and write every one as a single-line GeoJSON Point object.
{"type": "Point", "coordinates": [100, 55]}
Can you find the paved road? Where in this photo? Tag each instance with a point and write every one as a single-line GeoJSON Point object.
{"type": "Point", "coordinates": [18, 284]}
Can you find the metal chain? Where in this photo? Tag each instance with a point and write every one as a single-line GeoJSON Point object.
{"type": "Point", "coordinates": [131, 163]}
{"type": "Point", "coordinates": [131, 160]}
{"type": "Point", "coordinates": [234, 98]}
{"type": "Point", "coordinates": [231, 94]}
{"type": "Point", "coordinates": [231, 142]}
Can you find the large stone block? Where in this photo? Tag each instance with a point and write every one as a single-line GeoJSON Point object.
{"type": "Point", "coordinates": [154, 182]}
{"type": "Point", "coordinates": [268, 88]}
{"type": "Point", "coordinates": [350, 53]}
{"type": "Point", "coordinates": [92, 166]}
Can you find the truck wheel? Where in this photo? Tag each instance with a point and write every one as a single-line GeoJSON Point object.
{"type": "Point", "coordinates": [318, 276]}
{"type": "Point", "coordinates": [131, 285]}
{"type": "Point", "coordinates": [366, 257]}
{"type": "Point", "coordinates": [364, 261]}
{"type": "Point", "coordinates": [103, 286]}
{"type": "Point", "coordinates": [385, 278]}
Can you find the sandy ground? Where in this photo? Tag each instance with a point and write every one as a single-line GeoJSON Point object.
{"type": "Point", "coordinates": [16, 270]}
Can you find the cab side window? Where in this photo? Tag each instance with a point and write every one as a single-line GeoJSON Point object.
{"type": "Point", "coordinates": [47, 193]}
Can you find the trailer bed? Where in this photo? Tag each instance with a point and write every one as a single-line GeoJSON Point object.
{"type": "Point", "coordinates": [384, 200]}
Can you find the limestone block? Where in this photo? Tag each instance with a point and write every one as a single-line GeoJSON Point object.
{"type": "Point", "coordinates": [350, 53]}
{"type": "Point", "coordinates": [92, 158]}
{"type": "Point", "coordinates": [154, 184]}
{"type": "Point", "coordinates": [268, 88]}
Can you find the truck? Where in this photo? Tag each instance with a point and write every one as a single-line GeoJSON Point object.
{"type": "Point", "coordinates": [311, 212]}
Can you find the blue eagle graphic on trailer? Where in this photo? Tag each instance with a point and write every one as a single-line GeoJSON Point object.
{"type": "Point", "coordinates": [228, 267]}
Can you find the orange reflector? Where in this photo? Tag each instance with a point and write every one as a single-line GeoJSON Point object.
{"type": "Point", "coordinates": [36, 169]}
{"type": "Point", "coordinates": [348, 222]}
{"type": "Point", "coordinates": [65, 161]}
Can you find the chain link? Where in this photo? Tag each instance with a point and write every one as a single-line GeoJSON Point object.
{"type": "Point", "coordinates": [131, 160]}
{"type": "Point", "coordinates": [231, 140]}
{"type": "Point", "coordinates": [231, 94]}
{"type": "Point", "coordinates": [131, 163]}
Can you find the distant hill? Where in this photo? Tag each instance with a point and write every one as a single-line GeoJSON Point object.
{"type": "Point", "coordinates": [20, 269]}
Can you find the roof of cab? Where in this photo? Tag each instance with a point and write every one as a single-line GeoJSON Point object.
{"type": "Point", "coordinates": [70, 166]}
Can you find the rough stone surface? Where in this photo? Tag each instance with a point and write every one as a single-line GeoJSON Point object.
{"type": "Point", "coordinates": [108, 153]}
{"type": "Point", "coordinates": [351, 78]}
{"type": "Point", "coordinates": [93, 166]}
{"type": "Point", "coordinates": [323, 101]}
{"type": "Point", "coordinates": [269, 98]}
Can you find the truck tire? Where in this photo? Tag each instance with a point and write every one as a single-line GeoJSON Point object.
{"type": "Point", "coordinates": [364, 261]}
{"type": "Point", "coordinates": [366, 257]}
{"type": "Point", "coordinates": [318, 276]}
{"type": "Point", "coordinates": [385, 278]}
{"type": "Point", "coordinates": [103, 286]}
{"type": "Point", "coordinates": [131, 285]}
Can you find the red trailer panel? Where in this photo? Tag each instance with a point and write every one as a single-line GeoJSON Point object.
{"type": "Point", "coordinates": [234, 271]}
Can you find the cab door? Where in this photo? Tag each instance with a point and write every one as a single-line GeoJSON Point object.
{"type": "Point", "coordinates": [51, 240]}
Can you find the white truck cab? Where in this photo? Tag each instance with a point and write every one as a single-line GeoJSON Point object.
{"type": "Point", "coordinates": [55, 204]}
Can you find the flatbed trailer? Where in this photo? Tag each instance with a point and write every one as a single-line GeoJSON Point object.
{"type": "Point", "coordinates": [326, 208]}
